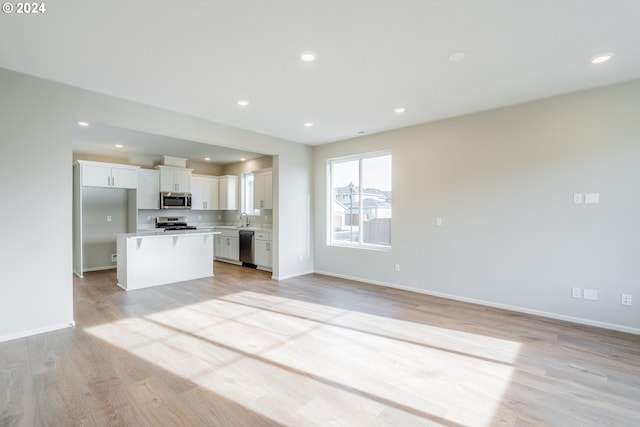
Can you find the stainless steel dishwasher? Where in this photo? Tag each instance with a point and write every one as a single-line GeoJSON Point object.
{"type": "Point", "coordinates": [247, 250]}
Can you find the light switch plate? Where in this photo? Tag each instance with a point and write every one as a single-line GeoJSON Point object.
{"type": "Point", "coordinates": [438, 222]}
{"type": "Point", "coordinates": [592, 198]}
{"type": "Point", "coordinates": [590, 294]}
{"type": "Point", "coordinates": [577, 198]}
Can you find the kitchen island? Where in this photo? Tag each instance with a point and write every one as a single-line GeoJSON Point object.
{"type": "Point", "coordinates": [155, 258]}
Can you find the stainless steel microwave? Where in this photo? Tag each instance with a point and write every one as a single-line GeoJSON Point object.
{"type": "Point", "coordinates": [171, 200]}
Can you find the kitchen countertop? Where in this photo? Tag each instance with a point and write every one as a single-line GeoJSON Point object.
{"type": "Point", "coordinates": [171, 233]}
{"type": "Point", "coordinates": [207, 228]}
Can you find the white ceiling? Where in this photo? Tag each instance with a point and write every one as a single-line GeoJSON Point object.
{"type": "Point", "coordinates": [199, 57]}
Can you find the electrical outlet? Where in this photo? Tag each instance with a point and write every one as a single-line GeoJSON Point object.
{"type": "Point", "coordinates": [576, 292]}
{"type": "Point", "coordinates": [626, 299]}
{"type": "Point", "coordinates": [438, 222]}
{"type": "Point", "coordinates": [108, 218]}
{"type": "Point", "coordinates": [577, 198]}
{"type": "Point", "coordinates": [397, 267]}
{"type": "Point", "coordinates": [114, 257]}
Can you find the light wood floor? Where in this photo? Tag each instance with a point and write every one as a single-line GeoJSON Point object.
{"type": "Point", "coordinates": [243, 350]}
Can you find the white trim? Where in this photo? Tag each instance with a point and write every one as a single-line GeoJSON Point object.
{"type": "Point", "coordinates": [579, 320]}
{"type": "Point", "coordinates": [37, 331]}
{"type": "Point", "coordinates": [290, 276]}
{"type": "Point", "coordinates": [107, 267]}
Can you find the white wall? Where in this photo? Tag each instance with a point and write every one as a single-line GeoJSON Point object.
{"type": "Point", "coordinates": [98, 234]}
{"type": "Point", "coordinates": [503, 183]}
{"type": "Point", "coordinates": [36, 122]}
{"type": "Point", "coordinates": [36, 170]}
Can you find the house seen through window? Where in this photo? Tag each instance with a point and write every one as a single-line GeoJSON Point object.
{"type": "Point", "coordinates": [360, 200]}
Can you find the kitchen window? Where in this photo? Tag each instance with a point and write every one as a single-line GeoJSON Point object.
{"type": "Point", "coordinates": [359, 201]}
{"type": "Point", "coordinates": [247, 194]}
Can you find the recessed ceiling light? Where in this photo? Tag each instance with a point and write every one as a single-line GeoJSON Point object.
{"type": "Point", "coordinates": [207, 158]}
{"type": "Point", "coordinates": [119, 145]}
{"type": "Point", "coordinates": [458, 56]}
{"type": "Point", "coordinates": [83, 124]}
{"type": "Point", "coordinates": [601, 58]}
{"type": "Point", "coordinates": [308, 124]}
{"type": "Point", "coordinates": [307, 56]}
{"type": "Point", "coordinates": [399, 110]}
{"type": "Point", "coordinates": [242, 159]}
{"type": "Point", "coordinates": [243, 102]}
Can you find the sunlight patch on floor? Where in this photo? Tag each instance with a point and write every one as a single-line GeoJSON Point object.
{"type": "Point", "coordinates": [286, 359]}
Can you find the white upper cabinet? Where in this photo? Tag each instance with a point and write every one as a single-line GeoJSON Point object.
{"type": "Point", "coordinates": [204, 191]}
{"type": "Point", "coordinates": [148, 189]}
{"type": "Point", "coordinates": [175, 179]}
{"type": "Point", "coordinates": [108, 175]}
{"type": "Point", "coordinates": [263, 189]}
{"type": "Point", "coordinates": [228, 192]}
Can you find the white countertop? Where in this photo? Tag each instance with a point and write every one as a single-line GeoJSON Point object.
{"type": "Point", "coordinates": [171, 233]}
{"type": "Point", "coordinates": [208, 228]}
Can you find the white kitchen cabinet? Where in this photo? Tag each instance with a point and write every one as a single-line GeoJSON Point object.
{"type": "Point", "coordinates": [175, 179]}
{"type": "Point", "coordinates": [204, 192]}
{"type": "Point", "coordinates": [263, 189]}
{"type": "Point", "coordinates": [148, 189]}
{"type": "Point", "coordinates": [108, 175]}
{"type": "Point", "coordinates": [263, 252]}
{"type": "Point", "coordinates": [175, 257]}
{"type": "Point", "coordinates": [227, 245]}
{"type": "Point", "coordinates": [228, 192]}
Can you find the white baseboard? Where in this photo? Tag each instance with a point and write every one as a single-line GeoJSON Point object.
{"type": "Point", "coordinates": [579, 320]}
{"type": "Point", "coordinates": [37, 331]}
{"type": "Point", "coordinates": [290, 276]}
{"type": "Point", "coordinates": [106, 267]}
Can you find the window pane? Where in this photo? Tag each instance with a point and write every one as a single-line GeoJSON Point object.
{"type": "Point", "coordinates": [376, 200]}
{"type": "Point", "coordinates": [345, 204]}
{"type": "Point", "coordinates": [248, 195]}
{"type": "Point", "coordinates": [360, 200]}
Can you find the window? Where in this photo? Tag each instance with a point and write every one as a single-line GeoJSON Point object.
{"type": "Point", "coordinates": [247, 194]}
{"type": "Point", "coordinates": [360, 200]}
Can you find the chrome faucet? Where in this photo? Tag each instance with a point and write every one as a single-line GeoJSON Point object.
{"type": "Point", "coordinates": [246, 222]}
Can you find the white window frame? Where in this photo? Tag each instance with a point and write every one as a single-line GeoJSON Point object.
{"type": "Point", "coordinates": [331, 197]}
{"type": "Point", "coordinates": [245, 194]}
